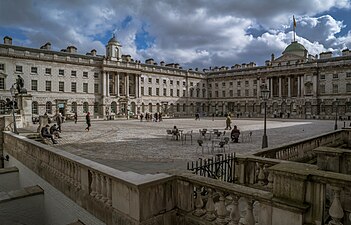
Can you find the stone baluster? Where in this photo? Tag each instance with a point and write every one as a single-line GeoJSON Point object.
{"type": "Point", "coordinates": [78, 177]}
{"type": "Point", "coordinates": [235, 213]}
{"type": "Point", "coordinates": [71, 172]}
{"type": "Point", "coordinates": [249, 217]}
{"type": "Point", "coordinates": [99, 186]}
{"type": "Point", "coordinates": [199, 211]}
{"type": "Point", "coordinates": [109, 191]}
{"type": "Point", "coordinates": [104, 189]}
{"type": "Point", "coordinates": [335, 211]}
{"type": "Point", "coordinates": [210, 207]}
{"type": "Point", "coordinates": [270, 179]}
{"type": "Point", "coordinates": [261, 176]}
{"type": "Point", "coordinates": [93, 184]}
{"type": "Point", "coordinates": [221, 210]}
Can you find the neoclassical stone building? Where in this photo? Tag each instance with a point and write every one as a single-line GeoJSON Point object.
{"type": "Point", "coordinates": [301, 85]}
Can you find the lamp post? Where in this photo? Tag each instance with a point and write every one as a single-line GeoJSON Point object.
{"type": "Point", "coordinates": [265, 95]}
{"type": "Point", "coordinates": [13, 94]}
{"type": "Point", "coordinates": [336, 116]}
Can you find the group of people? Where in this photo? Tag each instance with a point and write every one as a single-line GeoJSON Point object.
{"type": "Point", "coordinates": [51, 132]}
{"type": "Point", "coordinates": [156, 117]}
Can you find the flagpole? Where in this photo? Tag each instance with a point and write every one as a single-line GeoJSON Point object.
{"type": "Point", "coordinates": [294, 27]}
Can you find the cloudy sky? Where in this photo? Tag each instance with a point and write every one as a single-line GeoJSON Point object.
{"type": "Point", "coordinates": [193, 33]}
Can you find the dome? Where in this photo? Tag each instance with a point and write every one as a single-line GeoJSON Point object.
{"type": "Point", "coordinates": [113, 40]}
{"type": "Point", "coordinates": [295, 47]}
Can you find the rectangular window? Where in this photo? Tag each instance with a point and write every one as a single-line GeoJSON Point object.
{"type": "Point", "coordinates": [150, 80]}
{"type": "Point", "coordinates": [231, 93]}
{"type": "Point", "coordinates": [191, 84]}
{"type": "Point", "coordinates": [142, 79]}
{"type": "Point", "coordinates": [150, 90]}
{"type": "Point", "coordinates": [183, 83]}
{"type": "Point", "coordinates": [164, 81]}
{"type": "Point", "coordinates": [246, 92]}
{"type": "Point", "coordinates": [223, 84]}
{"type": "Point", "coordinates": [2, 66]}
{"type": "Point", "coordinates": [48, 85]}
{"type": "Point", "coordinates": [322, 77]}
{"type": "Point", "coordinates": [335, 76]}
{"type": "Point", "coordinates": [171, 92]}
{"type": "Point", "coordinates": [178, 92]}
{"type": "Point", "coordinates": [255, 92]}
{"type": "Point", "coordinates": [255, 82]}
{"type": "Point", "coordinates": [322, 88]}
{"type": "Point", "coordinates": [238, 83]}
{"type": "Point", "coordinates": [34, 85]}
{"type": "Point", "coordinates": [157, 91]}
{"type": "Point", "coordinates": [85, 74]}
{"type": "Point", "coordinates": [216, 85]}
{"type": "Point", "coordinates": [246, 83]}
{"type": "Point", "coordinates": [85, 87]}
{"type": "Point", "coordinates": [223, 94]}
{"type": "Point", "coordinates": [231, 83]}
{"type": "Point", "coordinates": [62, 86]}
{"type": "Point", "coordinates": [96, 75]}
{"type": "Point", "coordinates": [348, 87]}
{"type": "Point", "coordinates": [96, 88]}
{"type": "Point", "coordinates": [210, 94]}
{"type": "Point", "coordinates": [238, 93]}
{"type": "Point", "coordinates": [34, 69]}
{"type": "Point", "coordinates": [142, 91]}
{"type": "Point", "coordinates": [73, 87]}
{"type": "Point", "coordinates": [209, 85]}
{"type": "Point", "coordinates": [347, 74]}
{"type": "Point", "coordinates": [216, 93]}
{"type": "Point", "coordinates": [164, 92]}
{"type": "Point", "coordinates": [61, 72]}
{"type": "Point", "coordinates": [335, 88]}
{"type": "Point", "coordinates": [73, 73]}
{"type": "Point", "coordinates": [19, 69]}
{"type": "Point", "coordinates": [184, 93]}
{"type": "Point", "coordinates": [178, 83]}
{"type": "Point", "coordinates": [48, 71]}
{"type": "Point", "coordinates": [2, 83]}
{"type": "Point", "coordinates": [171, 82]}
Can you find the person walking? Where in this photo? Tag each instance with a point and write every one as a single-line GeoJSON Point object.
{"type": "Point", "coordinates": [87, 120]}
{"type": "Point", "coordinates": [75, 117]}
{"type": "Point", "coordinates": [228, 122]}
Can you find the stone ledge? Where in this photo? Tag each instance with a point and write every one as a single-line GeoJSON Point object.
{"type": "Point", "coordinates": [21, 193]}
{"type": "Point", "coordinates": [9, 170]}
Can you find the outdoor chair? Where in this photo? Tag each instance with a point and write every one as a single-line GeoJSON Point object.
{"type": "Point", "coordinates": [226, 141]}
{"type": "Point", "coordinates": [170, 134]}
{"type": "Point", "coordinates": [190, 134]}
{"type": "Point", "coordinates": [246, 136]}
{"type": "Point", "coordinates": [202, 145]}
{"type": "Point", "coordinates": [220, 146]}
{"type": "Point", "coordinates": [203, 133]}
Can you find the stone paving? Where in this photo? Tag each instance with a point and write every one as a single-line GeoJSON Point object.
{"type": "Point", "coordinates": [143, 147]}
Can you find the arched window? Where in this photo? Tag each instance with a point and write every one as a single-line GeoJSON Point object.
{"type": "Point", "coordinates": [348, 107]}
{"type": "Point", "coordinates": [142, 107]}
{"type": "Point", "coordinates": [96, 107]}
{"type": "Point", "coordinates": [113, 107]}
{"type": "Point", "coordinates": [35, 108]}
{"type": "Point", "coordinates": [322, 108]}
{"type": "Point", "coordinates": [48, 107]}
{"type": "Point", "coordinates": [74, 107]}
{"type": "Point", "coordinates": [2, 107]}
{"type": "Point", "coordinates": [184, 107]}
{"type": "Point", "coordinates": [150, 107]}
{"type": "Point", "coordinates": [178, 107]}
{"type": "Point", "coordinates": [85, 107]}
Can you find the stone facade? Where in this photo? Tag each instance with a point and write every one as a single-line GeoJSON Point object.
{"type": "Point", "coordinates": [301, 86]}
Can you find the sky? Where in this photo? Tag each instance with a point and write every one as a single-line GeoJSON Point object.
{"type": "Point", "coordinates": [194, 33]}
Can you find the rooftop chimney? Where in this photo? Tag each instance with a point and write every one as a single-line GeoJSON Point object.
{"type": "Point", "coordinates": [93, 52]}
{"type": "Point", "coordinates": [47, 46]}
{"type": "Point", "coordinates": [71, 49]}
{"type": "Point", "coordinates": [272, 57]}
{"type": "Point", "coordinates": [7, 40]}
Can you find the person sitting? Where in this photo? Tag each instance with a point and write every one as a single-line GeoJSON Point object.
{"type": "Point", "coordinates": [175, 132]}
{"type": "Point", "coordinates": [235, 134]}
{"type": "Point", "coordinates": [54, 131]}
{"type": "Point", "coordinates": [46, 134]}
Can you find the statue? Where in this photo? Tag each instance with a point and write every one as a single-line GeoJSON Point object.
{"type": "Point", "coordinates": [20, 85]}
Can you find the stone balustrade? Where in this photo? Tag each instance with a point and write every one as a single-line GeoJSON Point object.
{"type": "Point", "coordinates": [301, 150]}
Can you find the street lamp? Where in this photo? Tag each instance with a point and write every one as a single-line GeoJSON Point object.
{"type": "Point", "coordinates": [13, 94]}
{"type": "Point", "coordinates": [336, 115]}
{"type": "Point", "coordinates": [265, 95]}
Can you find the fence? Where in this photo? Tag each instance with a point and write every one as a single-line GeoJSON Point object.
{"type": "Point", "coordinates": [220, 167]}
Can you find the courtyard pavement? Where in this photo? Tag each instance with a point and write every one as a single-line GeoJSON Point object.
{"type": "Point", "coordinates": [144, 147]}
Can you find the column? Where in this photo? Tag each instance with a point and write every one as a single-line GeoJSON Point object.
{"type": "Point", "coordinates": [280, 87]}
{"type": "Point", "coordinates": [302, 86]}
{"type": "Point", "coordinates": [107, 84]}
{"type": "Point", "coordinates": [271, 86]}
{"type": "Point", "coordinates": [117, 84]}
{"type": "Point", "coordinates": [314, 80]}
{"type": "Point", "coordinates": [298, 86]}
{"type": "Point", "coordinates": [139, 86]}
{"type": "Point", "coordinates": [136, 85]}
{"type": "Point", "coordinates": [289, 88]}
{"type": "Point", "coordinates": [104, 75]}
{"type": "Point", "coordinates": [127, 85]}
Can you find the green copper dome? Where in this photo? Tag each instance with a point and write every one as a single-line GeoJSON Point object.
{"type": "Point", "coordinates": [113, 40]}
{"type": "Point", "coordinates": [295, 47]}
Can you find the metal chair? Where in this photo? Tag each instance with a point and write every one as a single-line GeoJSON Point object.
{"type": "Point", "coordinates": [170, 134]}
{"type": "Point", "coordinates": [190, 134]}
{"type": "Point", "coordinates": [202, 145]}
{"type": "Point", "coordinates": [221, 146]}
